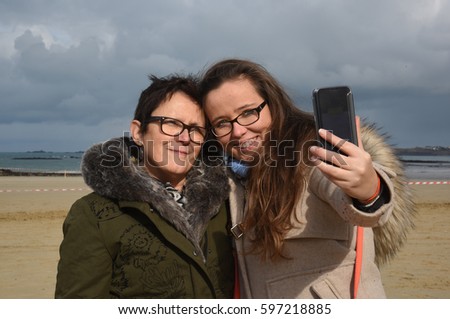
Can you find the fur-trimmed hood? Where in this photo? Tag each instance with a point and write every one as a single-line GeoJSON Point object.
{"type": "Point", "coordinates": [390, 237]}
{"type": "Point", "coordinates": [114, 169]}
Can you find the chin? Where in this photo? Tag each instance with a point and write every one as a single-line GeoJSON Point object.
{"type": "Point", "coordinates": [179, 168]}
{"type": "Point", "coordinates": [250, 157]}
{"type": "Point", "coordinates": [176, 167]}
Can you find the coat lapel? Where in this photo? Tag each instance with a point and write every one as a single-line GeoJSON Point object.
{"type": "Point", "coordinates": [237, 207]}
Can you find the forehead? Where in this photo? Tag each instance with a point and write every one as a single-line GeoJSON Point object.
{"type": "Point", "coordinates": [231, 95]}
{"type": "Point", "coordinates": [182, 107]}
{"type": "Point", "coordinates": [232, 90]}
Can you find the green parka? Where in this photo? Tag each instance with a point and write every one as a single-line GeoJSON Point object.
{"type": "Point", "coordinates": [130, 239]}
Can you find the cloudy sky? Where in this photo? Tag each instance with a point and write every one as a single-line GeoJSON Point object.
{"type": "Point", "coordinates": [71, 71]}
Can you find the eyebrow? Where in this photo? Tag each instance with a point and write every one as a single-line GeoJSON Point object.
{"type": "Point", "coordinates": [194, 124]}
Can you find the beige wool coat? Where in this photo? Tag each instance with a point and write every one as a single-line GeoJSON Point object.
{"type": "Point", "coordinates": [322, 242]}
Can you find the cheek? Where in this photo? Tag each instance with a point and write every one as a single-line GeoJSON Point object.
{"type": "Point", "coordinates": [265, 120]}
{"type": "Point", "coordinates": [154, 154]}
{"type": "Point", "coordinates": [265, 125]}
{"type": "Point", "coordinates": [194, 151]}
{"type": "Point", "coordinates": [155, 149]}
{"type": "Point", "coordinates": [225, 142]}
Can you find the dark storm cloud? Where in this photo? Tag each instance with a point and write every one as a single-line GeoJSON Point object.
{"type": "Point", "coordinates": [83, 64]}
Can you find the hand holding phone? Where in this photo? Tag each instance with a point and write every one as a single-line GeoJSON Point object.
{"type": "Point", "coordinates": [334, 112]}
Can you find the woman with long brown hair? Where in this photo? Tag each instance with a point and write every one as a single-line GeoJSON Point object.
{"type": "Point", "coordinates": [294, 214]}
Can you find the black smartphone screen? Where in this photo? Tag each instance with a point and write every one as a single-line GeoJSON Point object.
{"type": "Point", "coordinates": [334, 111]}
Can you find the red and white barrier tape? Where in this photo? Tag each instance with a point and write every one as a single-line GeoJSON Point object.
{"type": "Point", "coordinates": [429, 183]}
{"type": "Point", "coordinates": [43, 190]}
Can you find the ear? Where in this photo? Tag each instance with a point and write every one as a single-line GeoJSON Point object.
{"type": "Point", "coordinates": [135, 128]}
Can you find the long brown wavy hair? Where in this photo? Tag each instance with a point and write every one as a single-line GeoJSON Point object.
{"type": "Point", "coordinates": [276, 182]}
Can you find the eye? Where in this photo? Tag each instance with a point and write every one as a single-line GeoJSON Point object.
{"type": "Point", "coordinates": [200, 130]}
{"type": "Point", "coordinates": [172, 122]}
{"type": "Point", "coordinates": [248, 113]}
{"type": "Point", "coordinates": [222, 123]}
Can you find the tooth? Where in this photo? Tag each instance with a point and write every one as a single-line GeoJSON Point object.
{"type": "Point", "coordinates": [246, 144]}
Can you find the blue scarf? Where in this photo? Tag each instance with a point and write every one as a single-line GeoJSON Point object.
{"type": "Point", "coordinates": [240, 168]}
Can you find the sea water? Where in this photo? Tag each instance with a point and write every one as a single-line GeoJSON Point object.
{"type": "Point", "coordinates": [41, 161]}
{"type": "Point", "coordinates": [421, 167]}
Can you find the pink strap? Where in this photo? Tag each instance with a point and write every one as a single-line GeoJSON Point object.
{"type": "Point", "coordinates": [358, 260]}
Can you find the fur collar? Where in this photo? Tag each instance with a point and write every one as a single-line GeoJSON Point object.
{"type": "Point", "coordinates": [113, 169]}
{"type": "Point", "coordinates": [390, 237]}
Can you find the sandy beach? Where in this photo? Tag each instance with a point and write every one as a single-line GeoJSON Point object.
{"type": "Point", "coordinates": [32, 211]}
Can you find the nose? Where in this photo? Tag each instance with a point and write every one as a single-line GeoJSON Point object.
{"type": "Point", "coordinates": [238, 130]}
{"type": "Point", "coordinates": [184, 136]}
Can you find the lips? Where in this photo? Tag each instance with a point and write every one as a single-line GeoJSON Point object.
{"type": "Point", "coordinates": [249, 145]}
{"type": "Point", "coordinates": [180, 151]}
{"type": "Point", "coordinates": [177, 147]}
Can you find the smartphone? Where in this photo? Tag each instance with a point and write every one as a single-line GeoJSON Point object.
{"type": "Point", "coordinates": [334, 111]}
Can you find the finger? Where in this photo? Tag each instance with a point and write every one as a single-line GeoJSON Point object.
{"type": "Point", "coordinates": [334, 140]}
{"type": "Point", "coordinates": [358, 131]}
{"type": "Point", "coordinates": [340, 144]}
{"type": "Point", "coordinates": [335, 174]}
{"type": "Point", "coordinates": [330, 157]}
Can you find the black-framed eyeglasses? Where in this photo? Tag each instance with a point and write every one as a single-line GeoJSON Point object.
{"type": "Point", "coordinates": [173, 127]}
{"type": "Point", "coordinates": [248, 117]}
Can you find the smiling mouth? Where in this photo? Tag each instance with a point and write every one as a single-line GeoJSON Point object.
{"type": "Point", "coordinates": [248, 145]}
{"type": "Point", "coordinates": [180, 151]}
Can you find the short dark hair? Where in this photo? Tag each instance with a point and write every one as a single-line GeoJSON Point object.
{"type": "Point", "coordinates": [162, 89]}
